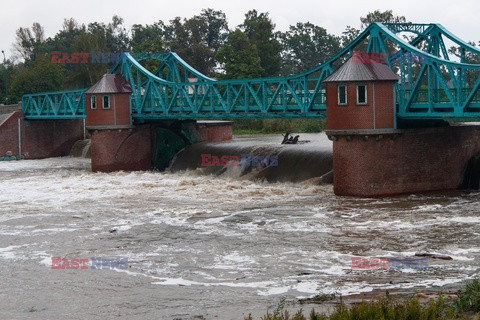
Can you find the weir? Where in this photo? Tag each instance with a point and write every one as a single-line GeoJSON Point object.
{"type": "Point", "coordinates": [382, 117]}
{"type": "Point", "coordinates": [292, 163]}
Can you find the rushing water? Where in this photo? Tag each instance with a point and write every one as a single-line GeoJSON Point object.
{"type": "Point", "coordinates": [211, 246]}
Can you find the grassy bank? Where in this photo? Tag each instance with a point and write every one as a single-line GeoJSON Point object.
{"type": "Point", "coordinates": [465, 306]}
{"type": "Point", "coordinates": [258, 126]}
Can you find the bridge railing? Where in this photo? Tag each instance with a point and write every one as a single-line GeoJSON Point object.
{"type": "Point", "coordinates": [55, 105]}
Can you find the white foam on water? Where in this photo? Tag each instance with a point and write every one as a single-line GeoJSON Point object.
{"type": "Point", "coordinates": [124, 225]}
{"type": "Point", "coordinates": [233, 261]}
{"type": "Point", "coordinates": [178, 282]}
{"type": "Point", "coordinates": [335, 270]}
{"type": "Point", "coordinates": [310, 287]}
{"type": "Point", "coordinates": [346, 289]}
{"type": "Point", "coordinates": [184, 282]}
{"type": "Point", "coordinates": [467, 220]}
{"type": "Point", "coordinates": [465, 250]}
{"type": "Point", "coordinates": [53, 230]}
{"type": "Point", "coordinates": [428, 207]}
{"type": "Point", "coordinates": [10, 252]}
{"type": "Point", "coordinates": [273, 291]}
{"type": "Point", "coordinates": [46, 261]}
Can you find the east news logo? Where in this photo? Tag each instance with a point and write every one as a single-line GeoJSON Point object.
{"type": "Point", "coordinates": [96, 263]}
{"type": "Point", "coordinates": [245, 160]}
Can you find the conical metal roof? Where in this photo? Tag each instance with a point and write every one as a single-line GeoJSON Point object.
{"type": "Point", "coordinates": [359, 71]}
{"type": "Point", "coordinates": [110, 83]}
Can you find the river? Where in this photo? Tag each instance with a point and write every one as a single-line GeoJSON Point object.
{"type": "Point", "coordinates": [201, 246]}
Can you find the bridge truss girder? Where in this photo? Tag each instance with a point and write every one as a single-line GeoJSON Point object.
{"type": "Point", "coordinates": [435, 88]}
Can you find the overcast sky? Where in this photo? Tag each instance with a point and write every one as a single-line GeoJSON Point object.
{"type": "Point", "coordinates": [459, 16]}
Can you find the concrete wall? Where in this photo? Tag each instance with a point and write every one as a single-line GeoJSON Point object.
{"type": "Point", "coordinates": [377, 113]}
{"type": "Point", "coordinates": [39, 138]}
{"type": "Point", "coordinates": [10, 108]}
{"type": "Point", "coordinates": [412, 160]}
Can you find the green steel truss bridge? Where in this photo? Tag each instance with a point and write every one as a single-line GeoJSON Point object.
{"type": "Point", "coordinates": [433, 84]}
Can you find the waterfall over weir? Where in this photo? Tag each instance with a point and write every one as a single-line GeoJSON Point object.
{"type": "Point", "coordinates": [310, 160]}
{"type": "Point", "coordinates": [81, 149]}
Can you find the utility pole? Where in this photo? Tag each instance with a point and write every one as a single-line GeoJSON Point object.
{"type": "Point", "coordinates": [6, 77]}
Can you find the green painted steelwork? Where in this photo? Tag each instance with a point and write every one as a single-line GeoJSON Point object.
{"type": "Point", "coordinates": [55, 105]}
{"type": "Point", "coordinates": [177, 98]}
{"type": "Point", "coordinates": [437, 87]}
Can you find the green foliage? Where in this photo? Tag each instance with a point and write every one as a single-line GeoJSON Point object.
{"type": "Point", "coordinates": [240, 57]}
{"type": "Point", "coordinates": [385, 308]}
{"type": "Point", "coordinates": [147, 38]}
{"type": "Point", "coordinates": [197, 39]}
{"type": "Point", "coordinates": [468, 299]}
{"type": "Point", "coordinates": [259, 30]}
{"type": "Point", "coordinates": [27, 40]}
{"type": "Point", "coordinates": [6, 70]}
{"type": "Point", "coordinates": [470, 75]}
{"type": "Point", "coordinates": [281, 313]}
{"type": "Point", "coordinates": [43, 76]}
{"type": "Point", "coordinates": [349, 35]}
{"type": "Point", "coordinates": [113, 35]}
{"type": "Point", "coordinates": [386, 16]}
{"type": "Point", "coordinates": [84, 75]}
{"type": "Point", "coordinates": [306, 45]}
{"type": "Point", "coordinates": [305, 125]}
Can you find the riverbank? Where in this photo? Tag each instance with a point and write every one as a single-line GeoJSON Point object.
{"type": "Point", "coordinates": [463, 303]}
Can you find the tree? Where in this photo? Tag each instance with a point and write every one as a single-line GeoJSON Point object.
{"type": "Point", "coordinates": [306, 45]}
{"type": "Point", "coordinates": [83, 75]}
{"type": "Point", "coordinates": [387, 16]}
{"type": "Point", "coordinates": [114, 35]}
{"type": "Point", "coordinates": [349, 35]}
{"type": "Point", "coordinates": [471, 76]}
{"type": "Point", "coordinates": [240, 57]}
{"type": "Point", "coordinates": [26, 40]}
{"type": "Point", "coordinates": [148, 38]}
{"type": "Point", "coordinates": [42, 77]}
{"type": "Point", "coordinates": [198, 39]}
{"type": "Point", "coordinates": [383, 17]}
{"type": "Point", "coordinates": [259, 30]}
{"type": "Point", "coordinates": [217, 28]}
{"type": "Point", "coordinates": [7, 68]}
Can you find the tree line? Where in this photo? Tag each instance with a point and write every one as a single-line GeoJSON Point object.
{"type": "Point", "coordinates": [250, 50]}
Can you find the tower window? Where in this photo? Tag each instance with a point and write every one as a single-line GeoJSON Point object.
{"type": "Point", "coordinates": [93, 102]}
{"type": "Point", "coordinates": [342, 95]}
{"type": "Point", "coordinates": [362, 94]}
{"type": "Point", "coordinates": [106, 102]}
